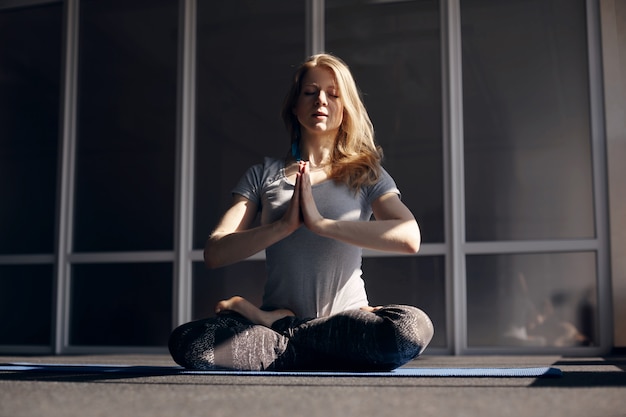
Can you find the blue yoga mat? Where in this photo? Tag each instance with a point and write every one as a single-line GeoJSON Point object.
{"type": "Point", "coordinates": [175, 370]}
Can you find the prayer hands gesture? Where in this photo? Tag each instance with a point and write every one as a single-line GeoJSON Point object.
{"type": "Point", "coordinates": [394, 230]}
{"type": "Point", "coordinates": [302, 208]}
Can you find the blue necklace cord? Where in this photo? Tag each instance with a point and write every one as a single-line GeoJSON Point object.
{"type": "Point", "coordinates": [295, 151]}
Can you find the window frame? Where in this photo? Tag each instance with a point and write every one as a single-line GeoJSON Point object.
{"type": "Point", "coordinates": [455, 249]}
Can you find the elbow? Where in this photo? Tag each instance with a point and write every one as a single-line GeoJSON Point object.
{"type": "Point", "coordinates": [414, 239]}
{"type": "Point", "coordinates": [211, 260]}
{"type": "Point", "coordinates": [412, 246]}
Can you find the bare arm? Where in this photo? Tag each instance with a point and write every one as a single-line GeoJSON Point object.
{"type": "Point", "coordinates": [233, 239]}
{"type": "Point", "coordinates": [394, 230]}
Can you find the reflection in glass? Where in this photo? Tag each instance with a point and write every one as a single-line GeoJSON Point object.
{"type": "Point", "coordinates": [121, 304]}
{"type": "Point", "coordinates": [394, 51]}
{"type": "Point", "coordinates": [30, 75]}
{"type": "Point", "coordinates": [410, 280]}
{"type": "Point", "coordinates": [26, 304]}
{"type": "Point", "coordinates": [532, 300]}
{"type": "Point", "coordinates": [247, 52]}
{"type": "Point", "coordinates": [126, 125]}
{"type": "Point", "coordinates": [526, 120]}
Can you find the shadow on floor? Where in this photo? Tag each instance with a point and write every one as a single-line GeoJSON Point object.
{"type": "Point", "coordinates": [77, 373]}
{"type": "Point", "coordinates": [591, 378]}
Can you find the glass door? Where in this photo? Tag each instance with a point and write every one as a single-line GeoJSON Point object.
{"type": "Point", "coordinates": [533, 243]}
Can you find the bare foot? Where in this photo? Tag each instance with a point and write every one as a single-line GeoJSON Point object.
{"type": "Point", "coordinates": [251, 312]}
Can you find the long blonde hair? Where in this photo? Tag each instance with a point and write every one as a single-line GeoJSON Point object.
{"type": "Point", "coordinates": [356, 158]}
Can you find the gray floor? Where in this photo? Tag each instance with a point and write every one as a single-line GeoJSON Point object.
{"type": "Point", "coordinates": [589, 387]}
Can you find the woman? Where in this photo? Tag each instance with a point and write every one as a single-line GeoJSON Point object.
{"type": "Point", "coordinates": [315, 208]}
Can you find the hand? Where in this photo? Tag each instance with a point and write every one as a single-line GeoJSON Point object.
{"type": "Point", "coordinates": [310, 215]}
{"type": "Point", "coordinates": [293, 216]}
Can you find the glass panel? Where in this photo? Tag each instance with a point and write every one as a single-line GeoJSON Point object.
{"type": "Point", "coordinates": [247, 52]}
{"type": "Point", "coordinates": [532, 300]}
{"type": "Point", "coordinates": [26, 293]}
{"type": "Point", "coordinates": [126, 125]}
{"type": "Point", "coordinates": [394, 51]}
{"type": "Point", "coordinates": [246, 279]}
{"type": "Point", "coordinates": [417, 281]}
{"type": "Point", "coordinates": [121, 304]}
{"type": "Point", "coordinates": [30, 65]}
{"type": "Point", "coordinates": [527, 125]}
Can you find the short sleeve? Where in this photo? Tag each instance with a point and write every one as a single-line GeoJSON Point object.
{"type": "Point", "coordinates": [384, 185]}
{"type": "Point", "coordinates": [250, 184]}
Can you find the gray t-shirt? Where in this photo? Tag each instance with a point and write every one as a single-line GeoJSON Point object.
{"type": "Point", "coordinates": [312, 276]}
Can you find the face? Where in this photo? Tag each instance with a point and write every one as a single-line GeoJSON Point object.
{"type": "Point", "coordinates": [319, 108]}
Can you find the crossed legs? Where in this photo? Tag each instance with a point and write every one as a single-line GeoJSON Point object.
{"type": "Point", "coordinates": [240, 338]}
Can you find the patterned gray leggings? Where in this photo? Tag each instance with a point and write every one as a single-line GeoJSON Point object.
{"type": "Point", "coordinates": [353, 340]}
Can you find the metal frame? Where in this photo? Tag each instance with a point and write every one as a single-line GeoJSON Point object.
{"type": "Point", "coordinates": [66, 176]}
{"type": "Point", "coordinates": [454, 181]}
{"type": "Point", "coordinates": [15, 4]}
{"type": "Point", "coordinates": [600, 176]}
{"type": "Point", "coordinates": [459, 248]}
{"type": "Point", "coordinates": [182, 280]}
{"type": "Point", "coordinates": [455, 249]}
{"type": "Point", "coordinates": [314, 27]}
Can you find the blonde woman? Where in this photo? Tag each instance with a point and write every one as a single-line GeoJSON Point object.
{"type": "Point", "coordinates": [315, 208]}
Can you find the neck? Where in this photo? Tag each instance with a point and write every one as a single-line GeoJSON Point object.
{"type": "Point", "coordinates": [316, 157]}
{"type": "Point", "coordinates": [317, 150]}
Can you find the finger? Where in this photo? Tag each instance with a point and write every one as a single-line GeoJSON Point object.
{"type": "Point", "coordinates": [297, 186]}
{"type": "Point", "coordinates": [306, 176]}
{"type": "Point", "coordinates": [295, 199]}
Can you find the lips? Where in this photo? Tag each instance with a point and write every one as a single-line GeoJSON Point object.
{"type": "Point", "coordinates": [319, 114]}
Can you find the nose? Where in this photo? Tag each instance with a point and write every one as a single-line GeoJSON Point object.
{"type": "Point", "coordinates": [321, 99]}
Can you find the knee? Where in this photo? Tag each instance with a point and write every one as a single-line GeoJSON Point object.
{"type": "Point", "coordinates": [177, 344]}
{"type": "Point", "coordinates": [191, 345]}
{"type": "Point", "coordinates": [412, 328]}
